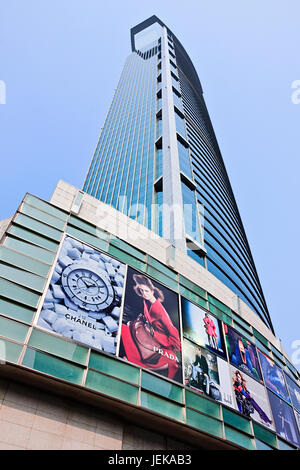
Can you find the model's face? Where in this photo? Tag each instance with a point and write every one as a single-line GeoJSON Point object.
{"type": "Point", "coordinates": [146, 292]}
{"type": "Point", "coordinates": [239, 378]}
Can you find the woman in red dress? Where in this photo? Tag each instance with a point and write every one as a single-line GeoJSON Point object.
{"type": "Point", "coordinates": [163, 330]}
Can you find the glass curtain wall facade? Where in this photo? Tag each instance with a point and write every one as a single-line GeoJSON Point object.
{"type": "Point", "coordinates": [158, 148]}
{"type": "Point", "coordinates": [122, 172]}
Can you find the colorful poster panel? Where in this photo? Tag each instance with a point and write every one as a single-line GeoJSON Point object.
{"type": "Point", "coordinates": [83, 300]}
{"type": "Point", "coordinates": [294, 390]}
{"type": "Point", "coordinates": [150, 334]}
{"type": "Point", "coordinates": [273, 376]}
{"type": "Point", "coordinates": [202, 328]}
{"type": "Point", "coordinates": [242, 353]}
{"type": "Point", "coordinates": [284, 419]}
{"type": "Point", "coordinates": [207, 373]}
{"type": "Point", "coordinates": [251, 398]}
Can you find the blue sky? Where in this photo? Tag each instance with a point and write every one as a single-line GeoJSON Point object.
{"type": "Point", "coordinates": [61, 60]}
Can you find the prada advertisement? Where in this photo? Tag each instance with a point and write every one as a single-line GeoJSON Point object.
{"type": "Point", "coordinates": [250, 398]}
{"type": "Point", "coordinates": [83, 301]}
{"type": "Point", "coordinates": [207, 373]}
{"type": "Point", "coordinates": [202, 328]}
{"type": "Point", "coordinates": [242, 354]}
{"type": "Point", "coordinates": [150, 333]}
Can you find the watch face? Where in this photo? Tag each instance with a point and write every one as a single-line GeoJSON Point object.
{"type": "Point", "coordinates": [88, 288]}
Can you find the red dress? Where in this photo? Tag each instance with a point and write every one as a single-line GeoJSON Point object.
{"type": "Point", "coordinates": [164, 332]}
{"type": "Point", "coordinates": [210, 327]}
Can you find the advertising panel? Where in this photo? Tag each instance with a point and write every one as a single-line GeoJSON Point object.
{"type": "Point", "coordinates": [207, 373]}
{"type": "Point", "coordinates": [242, 353]}
{"type": "Point", "coordinates": [294, 390]}
{"type": "Point", "coordinates": [297, 419]}
{"type": "Point", "coordinates": [83, 300]}
{"type": "Point", "coordinates": [150, 329]}
{"type": "Point", "coordinates": [284, 419]}
{"type": "Point", "coordinates": [251, 399]}
{"type": "Point", "coordinates": [202, 328]}
{"type": "Point", "coordinates": [273, 376]}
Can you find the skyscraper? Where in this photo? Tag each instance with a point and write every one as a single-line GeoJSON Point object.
{"type": "Point", "coordinates": [158, 161]}
{"type": "Point", "coordinates": [131, 314]}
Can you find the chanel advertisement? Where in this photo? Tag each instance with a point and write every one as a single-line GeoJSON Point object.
{"type": "Point", "coordinates": [207, 373]}
{"type": "Point", "coordinates": [202, 327]}
{"type": "Point", "coordinates": [273, 376]}
{"type": "Point", "coordinates": [150, 329]}
{"type": "Point", "coordinates": [83, 301]}
{"type": "Point", "coordinates": [294, 390]}
{"type": "Point", "coordinates": [250, 398]}
{"type": "Point", "coordinates": [242, 353]}
{"type": "Point", "coordinates": [284, 419]}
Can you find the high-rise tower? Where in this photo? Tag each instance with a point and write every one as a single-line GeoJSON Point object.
{"type": "Point", "coordinates": [158, 161]}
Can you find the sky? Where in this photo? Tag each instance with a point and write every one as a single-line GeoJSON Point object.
{"type": "Point", "coordinates": [60, 61]}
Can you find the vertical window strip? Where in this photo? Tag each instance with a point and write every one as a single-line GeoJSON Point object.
{"type": "Point", "coordinates": [139, 156]}
{"type": "Point", "coordinates": [119, 191]}
{"type": "Point", "coordinates": [115, 141]}
{"type": "Point", "coordinates": [123, 137]}
{"type": "Point", "coordinates": [149, 141]}
{"type": "Point", "coordinates": [103, 160]}
{"type": "Point", "coordinates": [110, 123]}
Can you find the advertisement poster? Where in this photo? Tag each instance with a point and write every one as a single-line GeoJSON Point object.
{"type": "Point", "coordinates": [273, 376]}
{"type": "Point", "coordinates": [150, 333]}
{"type": "Point", "coordinates": [242, 353]}
{"type": "Point", "coordinates": [83, 301]}
{"type": "Point", "coordinates": [207, 373]}
{"type": "Point", "coordinates": [202, 328]}
{"type": "Point", "coordinates": [251, 399]}
{"type": "Point", "coordinates": [284, 419]}
{"type": "Point", "coordinates": [294, 390]}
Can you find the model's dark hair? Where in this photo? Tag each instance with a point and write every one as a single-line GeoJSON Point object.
{"type": "Point", "coordinates": [145, 281]}
{"type": "Point", "coordinates": [235, 378]}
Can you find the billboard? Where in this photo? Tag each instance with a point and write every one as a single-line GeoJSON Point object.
{"type": "Point", "coordinates": [294, 390]}
{"type": "Point", "coordinates": [297, 419]}
{"type": "Point", "coordinates": [206, 373]}
{"type": "Point", "coordinates": [150, 329]}
{"type": "Point", "coordinates": [250, 398]}
{"type": "Point", "coordinates": [242, 353]}
{"type": "Point", "coordinates": [273, 376]}
{"type": "Point", "coordinates": [83, 300]}
{"type": "Point", "coordinates": [284, 419]}
{"type": "Point", "coordinates": [202, 328]}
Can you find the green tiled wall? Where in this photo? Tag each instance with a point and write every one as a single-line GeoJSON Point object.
{"type": "Point", "coordinates": [53, 366]}
{"type": "Point", "coordinates": [238, 438]}
{"type": "Point", "coordinates": [112, 387]}
{"type": "Point", "coordinates": [86, 237]}
{"type": "Point", "coordinates": [58, 346]}
{"type": "Point", "coordinates": [114, 367]}
{"type": "Point", "coordinates": [204, 423]}
{"type": "Point", "coordinates": [162, 406]}
{"type": "Point", "coordinates": [127, 258]}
